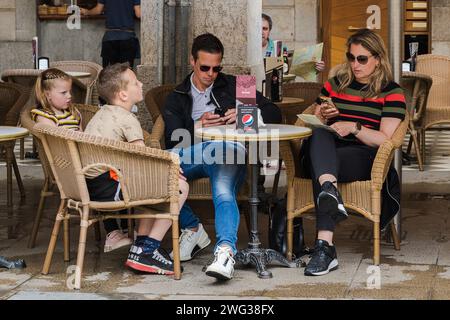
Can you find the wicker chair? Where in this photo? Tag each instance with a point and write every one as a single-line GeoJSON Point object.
{"type": "Point", "coordinates": [149, 178]}
{"type": "Point", "coordinates": [308, 91]}
{"type": "Point", "coordinates": [13, 98]}
{"type": "Point", "coordinates": [417, 87]}
{"type": "Point", "coordinates": [90, 82]}
{"type": "Point", "coordinates": [438, 106]}
{"type": "Point", "coordinates": [363, 197]}
{"type": "Point", "coordinates": [155, 100]}
{"type": "Point", "coordinates": [48, 189]}
{"type": "Point", "coordinates": [200, 189]}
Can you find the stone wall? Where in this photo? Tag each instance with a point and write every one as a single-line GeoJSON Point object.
{"type": "Point", "coordinates": [440, 27]}
{"type": "Point", "coordinates": [294, 21]}
{"type": "Point", "coordinates": [60, 43]}
{"type": "Point", "coordinates": [18, 27]}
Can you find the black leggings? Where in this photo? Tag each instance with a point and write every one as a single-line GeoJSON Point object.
{"type": "Point", "coordinates": [324, 153]}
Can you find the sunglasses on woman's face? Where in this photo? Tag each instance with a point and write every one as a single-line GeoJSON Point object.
{"type": "Point", "coordinates": [361, 59]}
{"type": "Point", "coordinates": [216, 69]}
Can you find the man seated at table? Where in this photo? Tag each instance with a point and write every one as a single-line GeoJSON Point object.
{"type": "Point", "coordinates": [196, 99]}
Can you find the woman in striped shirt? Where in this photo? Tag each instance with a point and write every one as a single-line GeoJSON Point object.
{"type": "Point", "coordinates": [53, 98]}
{"type": "Point", "coordinates": [364, 106]}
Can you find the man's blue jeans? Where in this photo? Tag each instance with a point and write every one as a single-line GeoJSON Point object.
{"type": "Point", "coordinates": [211, 160]}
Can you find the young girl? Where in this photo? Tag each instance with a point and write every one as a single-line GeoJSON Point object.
{"type": "Point", "coordinates": [53, 98]}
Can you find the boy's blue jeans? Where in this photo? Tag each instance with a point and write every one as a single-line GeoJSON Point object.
{"type": "Point", "coordinates": [211, 160]}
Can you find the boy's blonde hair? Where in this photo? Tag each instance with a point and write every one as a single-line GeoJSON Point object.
{"type": "Point", "coordinates": [111, 81]}
{"type": "Point", "coordinates": [45, 82]}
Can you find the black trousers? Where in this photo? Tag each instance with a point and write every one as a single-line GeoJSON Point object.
{"type": "Point", "coordinates": [324, 153]}
{"type": "Point", "coordinates": [119, 51]}
{"type": "Point", "coordinates": [104, 188]}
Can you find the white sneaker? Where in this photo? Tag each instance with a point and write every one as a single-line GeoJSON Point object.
{"type": "Point", "coordinates": [192, 242]}
{"type": "Point", "coordinates": [223, 266]}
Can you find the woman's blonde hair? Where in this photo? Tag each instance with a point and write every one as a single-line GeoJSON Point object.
{"type": "Point", "coordinates": [382, 74]}
{"type": "Point", "coordinates": [45, 82]}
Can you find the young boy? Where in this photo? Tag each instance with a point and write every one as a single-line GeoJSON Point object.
{"type": "Point", "coordinates": [118, 85]}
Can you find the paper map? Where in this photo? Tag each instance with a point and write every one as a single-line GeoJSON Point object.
{"type": "Point", "coordinates": [304, 61]}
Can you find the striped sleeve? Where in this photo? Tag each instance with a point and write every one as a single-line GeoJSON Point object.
{"type": "Point", "coordinates": [326, 91]}
{"type": "Point", "coordinates": [394, 102]}
{"type": "Point", "coordinates": [38, 112]}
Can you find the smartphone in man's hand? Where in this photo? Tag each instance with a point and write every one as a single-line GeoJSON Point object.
{"type": "Point", "coordinates": [220, 111]}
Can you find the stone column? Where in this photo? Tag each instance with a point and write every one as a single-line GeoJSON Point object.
{"type": "Point", "coordinates": [237, 23]}
{"type": "Point", "coordinates": [150, 70]}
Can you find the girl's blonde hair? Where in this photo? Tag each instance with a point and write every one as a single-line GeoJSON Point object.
{"type": "Point", "coordinates": [382, 74]}
{"type": "Point", "coordinates": [45, 82]}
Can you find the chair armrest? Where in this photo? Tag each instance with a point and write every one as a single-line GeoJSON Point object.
{"type": "Point", "coordinates": [157, 134]}
{"type": "Point", "coordinates": [381, 164]}
{"type": "Point", "coordinates": [385, 154]}
{"type": "Point", "coordinates": [149, 141]}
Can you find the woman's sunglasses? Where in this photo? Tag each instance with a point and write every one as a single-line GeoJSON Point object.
{"type": "Point", "coordinates": [361, 59]}
{"type": "Point", "coordinates": [216, 69]}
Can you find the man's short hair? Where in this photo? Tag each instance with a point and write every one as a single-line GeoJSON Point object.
{"type": "Point", "coordinates": [206, 42]}
{"type": "Point", "coordinates": [268, 19]}
{"type": "Point", "coordinates": [111, 81]}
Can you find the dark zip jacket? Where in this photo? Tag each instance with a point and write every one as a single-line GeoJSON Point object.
{"type": "Point", "coordinates": [177, 112]}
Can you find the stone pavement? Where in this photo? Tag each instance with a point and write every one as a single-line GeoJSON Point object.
{"type": "Point", "coordinates": [421, 270]}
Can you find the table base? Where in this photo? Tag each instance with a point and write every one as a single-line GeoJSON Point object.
{"type": "Point", "coordinates": [260, 258]}
{"type": "Point", "coordinates": [14, 264]}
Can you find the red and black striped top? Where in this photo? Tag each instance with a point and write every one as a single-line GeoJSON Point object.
{"type": "Point", "coordinates": [368, 111]}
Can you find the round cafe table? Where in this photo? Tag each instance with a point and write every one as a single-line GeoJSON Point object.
{"type": "Point", "coordinates": [254, 253]}
{"type": "Point", "coordinates": [8, 137]}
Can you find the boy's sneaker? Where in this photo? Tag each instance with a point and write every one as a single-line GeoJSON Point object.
{"type": "Point", "coordinates": [330, 201]}
{"type": "Point", "coordinates": [223, 266]}
{"type": "Point", "coordinates": [192, 242]}
{"type": "Point", "coordinates": [155, 262]}
{"type": "Point", "coordinates": [115, 240]}
{"type": "Point", "coordinates": [323, 259]}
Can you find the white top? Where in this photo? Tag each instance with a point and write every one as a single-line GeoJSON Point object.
{"type": "Point", "coordinates": [272, 132]}
{"type": "Point", "coordinates": [8, 133]}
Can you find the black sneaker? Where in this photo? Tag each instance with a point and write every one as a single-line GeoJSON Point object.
{"type": "Point", "coordinates": [155, 262]}
{"type": "Point", "coordinates": [330, 201]}
{"type": "Point", "coordinates": [323, 259]}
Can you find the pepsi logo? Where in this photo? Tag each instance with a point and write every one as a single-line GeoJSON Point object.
{"type": "Point", "coordinates": [247, 120]}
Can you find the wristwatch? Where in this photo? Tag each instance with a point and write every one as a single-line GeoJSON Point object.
{"type": "Point", "coordinates": [358, 128]}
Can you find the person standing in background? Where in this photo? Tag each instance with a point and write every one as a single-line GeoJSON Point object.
{"type": "Point", "coordinates": [268, 48]}
{"type": "Point", "coordinates": [120, 43]}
